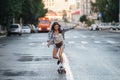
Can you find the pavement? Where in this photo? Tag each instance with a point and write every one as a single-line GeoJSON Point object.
{"type": "Point", "coordinates": [115, 31]}
{"type": "Point", "coordinates": [29, 60]}
{"type": "Point", "coordinates": [1, 36]}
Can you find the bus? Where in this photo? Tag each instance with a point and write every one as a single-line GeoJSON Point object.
{"type": "Point", "coordinates": [43, 24]}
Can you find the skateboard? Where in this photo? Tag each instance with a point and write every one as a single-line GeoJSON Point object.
{"type": "Point", "coordinates": [61, 70]}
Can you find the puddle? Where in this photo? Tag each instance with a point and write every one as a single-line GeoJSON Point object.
{"type": "Point", "coordinates": [25, 58]}
{"type": "Point", "coordinates": [33, 58]}
{"type": "Point", "coordinates": [19, 73]}
{"type": "Point", "coordinates": [1, 55]}
{"type": "Point", "coordinates": [21, 54]}
{"type": "Point", "coordinates": [43, 59]}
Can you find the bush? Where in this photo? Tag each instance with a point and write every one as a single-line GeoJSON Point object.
{"type": "Point", "coordinates": [89, 22]}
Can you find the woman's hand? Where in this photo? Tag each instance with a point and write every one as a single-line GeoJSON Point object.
{"type": "Point", "coordinates": [48, 43]}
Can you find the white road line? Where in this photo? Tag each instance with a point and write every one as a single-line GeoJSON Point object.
{"type": "Point", "coordinates": [44, 43]}
{"type": "Point", "coordinates": [75, 36]}
{"type": "Point", "coordinates": [71, 42]}
{"type": "Point", "coordinates": [111, 42]}
{"type": "Point", "coordinates": [84, 42]}
{"type": "Point", "coordinates": [97, 42]}
{"type": "Point", "coordinates": [69, 75]}
{"type": "Point", "coordinates": [83, 36]}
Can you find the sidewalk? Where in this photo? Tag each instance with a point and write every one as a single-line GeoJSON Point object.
{"type": "Point", "coordinates": [2, 34]}
{"type": "Point", "coordinates": [115, 31]}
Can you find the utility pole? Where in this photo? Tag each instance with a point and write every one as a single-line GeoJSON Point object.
{"type": "Point", "coordinates": [119, 12]}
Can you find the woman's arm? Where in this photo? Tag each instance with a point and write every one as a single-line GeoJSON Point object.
{"type": "Point", "coordinates": [64, 30]}
{"type": "Point", "coordinates": [50, 38]}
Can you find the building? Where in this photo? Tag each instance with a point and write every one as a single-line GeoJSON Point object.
{"type": "Point", "coordinates": [71, 9]}
{"type": "Point", "coordinates": [60, 7]}
{"type": "Point", "coordinates": [84, 8]}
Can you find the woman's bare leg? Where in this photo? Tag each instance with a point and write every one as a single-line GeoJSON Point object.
{"type": "Point", "coordinates": [60, 54]}
{"type": "Point", "coordinates": [55, 50]}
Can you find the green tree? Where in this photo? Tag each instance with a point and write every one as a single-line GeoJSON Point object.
{"type": "Point", "coordinates": [10, 9]}
{"type": "Point", "coordinates": [108, 8]}
{"type": "Point", "coordinates": [32, 9]}
{"type": "Point", "coordinates": [29, 10]}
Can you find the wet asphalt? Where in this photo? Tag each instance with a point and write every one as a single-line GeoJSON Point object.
{"type": "Point", "coordinates": [92, 55]}
{"type": "Point", "coordinates": [27, 57]}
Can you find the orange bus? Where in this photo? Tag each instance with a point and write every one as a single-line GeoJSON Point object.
{"type": "Point", "coordinates": [43, 24]}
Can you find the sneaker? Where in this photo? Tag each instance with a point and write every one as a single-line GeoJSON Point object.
{"type": "Point", "coordinates": [61, 66]}
{"type": "Point", "coordinates": [58, 62]}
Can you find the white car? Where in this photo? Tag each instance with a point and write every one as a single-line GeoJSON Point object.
{"type": "Point", "coordinates": [26, 29]}
{"type": "Point", "coordinates": [15, 29]}
{"type": "Point", "coordinates": [94, 27]}
{"type": "Point", "coordinates": [103, 26]}
{"type": "Point", "coordinates": [116, 27]}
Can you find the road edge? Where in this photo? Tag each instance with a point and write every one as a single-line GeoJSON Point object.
{"type": "Point", "coordinates": [69, 75]}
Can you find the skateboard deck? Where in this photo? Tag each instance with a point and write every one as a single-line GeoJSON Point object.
{"type": "Point", "coordinates": [61, 70]}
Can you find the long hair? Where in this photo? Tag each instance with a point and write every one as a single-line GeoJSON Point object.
{"type": "Point", "coordinates": [59, 29]}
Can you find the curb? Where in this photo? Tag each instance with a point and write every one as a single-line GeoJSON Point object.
{"type": "Point", "coordinates": [2, 36]}
{"type": "Point", "coordinates": [118, 31]}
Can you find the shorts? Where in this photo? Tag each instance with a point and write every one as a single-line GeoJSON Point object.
{"type": "Point", "coordinates": [60, 46]}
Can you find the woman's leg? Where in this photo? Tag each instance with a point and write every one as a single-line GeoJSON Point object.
{"type": "Point", "coordinates": [60, 54]}
{"type": "Point", "coordinates": [55, 50]}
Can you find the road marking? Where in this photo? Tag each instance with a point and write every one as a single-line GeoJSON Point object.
{"type": "Point", "coordinates": [83, 36]}
{"type": "Point", "coordinates": [44, 43]}
{"type": "Point", "coordinates": [111, 42]}
{"type": "Point", "coordinates": [84, 42]}
{"type": "Point", "coordinates": [97, 42]}
{"type": "Point", "coordinates": [69, 75]}
{"type": "Point", "coordinates": [75, 36]}
{"type": "Point", "coordinates": [71, 42]}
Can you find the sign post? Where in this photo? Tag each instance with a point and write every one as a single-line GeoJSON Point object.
{"type": "Point", "coordinates": [100, 16]}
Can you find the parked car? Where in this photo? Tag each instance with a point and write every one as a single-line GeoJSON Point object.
{"type": "Point", "coordinates": [15, 29]}
{"type": "Point", "coordinates": [26, 29]}
{"type": "Point", "coordinates": [94, 27]}
{"type": "Point", "coordinates": [33, 28]}
{"type": "Point", "coordinates": [118, 27]}
{"type": "Point", "coordinates": [103, 26]}
{"type": "Point", "coordinates": [115, 27]}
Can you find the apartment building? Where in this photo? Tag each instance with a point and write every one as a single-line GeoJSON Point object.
{"type": "Point", "coordinates": [83, 6]}
{"type": "Point", "coordinates": [56, 5]}
{"type": "Point", "coordinates": [60, 7]}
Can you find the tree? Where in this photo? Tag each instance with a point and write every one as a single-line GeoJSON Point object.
{"type": "Point", "coordinates": [83, 18]}
{"type": "Point", "coordinates": [108, 8]}
{"type": "Point", "coordinates": [32, 9]}
{"type": "Point", "coordinates": [10, 9]}
{"type": "Point", "coordinates": [29, 10]}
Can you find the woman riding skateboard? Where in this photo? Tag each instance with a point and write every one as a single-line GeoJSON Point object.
{"type": "Point", "coordinates": [56, 37]}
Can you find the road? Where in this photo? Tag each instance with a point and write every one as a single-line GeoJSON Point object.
{"type": "Point", "coordinates": [94, 55]}
{"type": "Point", "coordinates": [89, 55]}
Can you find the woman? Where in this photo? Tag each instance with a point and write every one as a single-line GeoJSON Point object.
{"type": "Point", "coordinates": [56, 37]}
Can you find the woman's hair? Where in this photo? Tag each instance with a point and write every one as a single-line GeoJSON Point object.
{"type": "Point", "coordinates": [56, 23]}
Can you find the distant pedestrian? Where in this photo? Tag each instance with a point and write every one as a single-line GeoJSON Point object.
{"type": "Point", "coordinates": [56, 37]}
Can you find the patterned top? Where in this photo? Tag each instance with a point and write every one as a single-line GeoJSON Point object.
{"type": "Point", "coordinates": [57, 38]}
{"type": "Point", "coordinates": [51, 35]}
